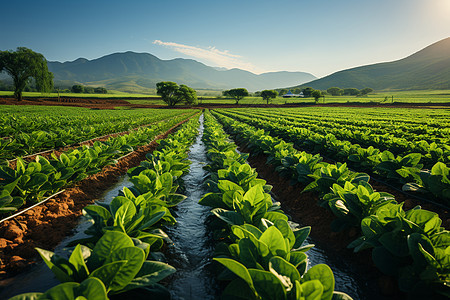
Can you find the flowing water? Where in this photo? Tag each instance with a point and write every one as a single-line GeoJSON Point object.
{"type": "Point", "coordinates": [192, 248]}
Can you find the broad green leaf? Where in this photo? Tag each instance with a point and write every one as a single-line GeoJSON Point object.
{"type": "Point", "coordinates": [286, 231]}
{"type": "Point", "coordinates": [135, 258]}
{"type": "Point", "coordinates": [110, 242]}
{"type": "Point", "coordinates": [237, 268]}
{"type": "Point", "coordinates": [107, 273]}
{"type": "Point", "coordinates": [301, 235]}
{"type": "Point", "coordinates": [60, 273]}
{"type": "Point", "coordinates": [91, 288]}
{"type": "Point", "coordinates": [312, 290]}
{"type": "Point", "coordinates": [230, 217]}
{"type": "Point", "coordinates": [267, 285]}
{"type": "Point", "coordinates": [286, 272]}
{"type": "Point", "coordinates": [324, 275]}
{"type": "Point", "coordinates": [77, 261]}
{"type": "Point", "coordinates": [238, 289]}
{"type": "Point", "coordinates": [124, 215]}
{"type": "Point", "coordinates": [273, 238]}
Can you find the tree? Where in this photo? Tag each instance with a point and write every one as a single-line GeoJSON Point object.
{"type": "Point", "coordinates": [77, 88]}
{"type": "Point", "coordinates": [100, 90]}
{"type": "Point", "coordinates": [365, 91]}
{"type": "Point", "coordinates": [269, 94]}
{"type": "Point", "coordinates": [186, 94]}
{"type": "Point", "coordinates": [89, 90]}
{"type": "Point", "coordinates": [307, 91]}
{"type": "Point", "coordinates": [24, 65]}
{"type": "Point", "coordinates": [316, 94]}
{"type": "Point", "coordinates": [335, 91]}
{"type": "Point", "coordinates": [236, 94]}
{"type": "Point", "coordinates": [172, 94]}
{"type": "Point", "coordinates": [351, 92]}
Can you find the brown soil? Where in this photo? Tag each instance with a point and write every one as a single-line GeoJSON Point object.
{"type": "Point", "coordinates": [46, 225]}
{"type": "Point", "coordinates": [110, 103]}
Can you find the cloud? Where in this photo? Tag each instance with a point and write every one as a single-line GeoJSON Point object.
{"type": "Point", "coordinates": [220, 58]}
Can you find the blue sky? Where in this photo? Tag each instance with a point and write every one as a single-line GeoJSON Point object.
{"type": "Point", "coordinates": [319, 37]}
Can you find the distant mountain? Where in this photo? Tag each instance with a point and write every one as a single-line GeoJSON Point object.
{"type": "Point", "coordinates": [132, 71]}
{"type": "Point", "coordinates": [428, 68]}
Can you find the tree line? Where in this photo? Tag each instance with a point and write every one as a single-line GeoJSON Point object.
{"type": "Point", "coordinates": [336, 91]}
{"type": "Point", "coordinates": [79, 89]}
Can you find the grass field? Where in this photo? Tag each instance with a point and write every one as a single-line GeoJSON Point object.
{"type": "Point", "coordinates": [431, 96]}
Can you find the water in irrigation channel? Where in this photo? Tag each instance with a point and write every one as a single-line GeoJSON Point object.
{"type": "Point", "coordinates": [192, 249]}
{"type": "Point", "coordinates": [39, 278]}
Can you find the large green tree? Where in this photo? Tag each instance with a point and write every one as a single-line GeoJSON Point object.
{"type": "Point", "coordinates": [335, 91]}
{"type": "Point", "coordinates": [24, 65]}
{"type": "Point", "coordinates": [236, 94]}
{"type": "Point", "coordinates": [316, 94]}
{"type": "Point", "coordinates": [366, 91]}
{"type": "Point", "coordinates": [172, 94]}
{"type": "Point", "coordinates": [351, 91]}
{"type": "Point", "coordinates": [269, 94]}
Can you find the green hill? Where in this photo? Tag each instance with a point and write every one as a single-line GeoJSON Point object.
{"type": "Point", "coordinates": [132, 72]}
{"type": "Point", "coordinates": [426, 69]}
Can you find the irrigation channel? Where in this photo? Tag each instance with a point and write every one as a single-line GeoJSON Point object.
{"type": "Point", "coordinates": [192, 247]}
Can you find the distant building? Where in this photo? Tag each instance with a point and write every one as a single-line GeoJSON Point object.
{"type": "Point", "coordinates": [290, 95]}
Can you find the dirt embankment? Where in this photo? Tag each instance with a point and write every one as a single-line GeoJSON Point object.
{"type": "Point", "coordinates": [45, 226]}
{"type": "Point", "coordinates": [111, 103]}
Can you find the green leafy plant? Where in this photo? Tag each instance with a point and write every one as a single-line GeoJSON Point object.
{"type": "Point", "coordinates": [326, 176]}
{"type": "Point", "coordinates": [90, 288]}
{"type": "Point", "coordinates": [409, 245]}
{"type": "Point", "coordinates": [353, 202]}
{"type": "Point", "coordinates": [115, 260]}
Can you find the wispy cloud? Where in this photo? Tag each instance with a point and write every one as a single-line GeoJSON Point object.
{"type": "Point", "coordinates": [211, 55]}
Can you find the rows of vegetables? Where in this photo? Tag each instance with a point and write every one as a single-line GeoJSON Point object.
{"type": "Point", "coordinates": [398, 138]}
{"type": "Point", "coordinates": [26, 130]}
{"type": "Point", "coordinates": [122, 250]}
{"type": "Point", "coordinates": [411, 125]}
{"type": "Point", "coordinates": [410, 245]}
{"type": "Point", "coordinates": [262, 253]}
{"type": "Point", "coordinates": [407, 170]}
{"type": "Point", "coordinates": [28, 183]}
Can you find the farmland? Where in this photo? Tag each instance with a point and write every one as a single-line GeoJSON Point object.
{"type": "Point", "coordinates": [214, 97]}
{"type": "Point", "coordinates": [252, 186]}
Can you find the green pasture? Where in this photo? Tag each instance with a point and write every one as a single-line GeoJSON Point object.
{"type": "Point", "coordinates": [430, 96]}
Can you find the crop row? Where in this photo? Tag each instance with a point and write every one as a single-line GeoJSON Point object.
{"type": "Point", "coordinates": [405, 170]}
{"type": "Point", "coordinates": [27, 135]}
{"type": "Point", "coordinates": [401, 133]}
{"type": "Point", "coordinates": [409, 245]}
{"type": "Point", "coordinates": [121, 251]}
{"type": "Point", "coordinates": [418, 120]}
{"type": "Point", "coordinates": [262, 256]}
{"type": "Point", "coordinates": [432, 152]}
{"type": "Point", "coordinates": [30, 182]}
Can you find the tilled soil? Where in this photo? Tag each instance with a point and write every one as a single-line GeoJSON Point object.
{"type": "Point", "coordinates": [99, 103]}
{"type": "Point", "coordinates": [45, 226]}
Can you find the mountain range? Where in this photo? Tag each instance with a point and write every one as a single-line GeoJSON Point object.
{"type": "Point", "coordinates": [426, 69]}
{"type": "Point", "coordinates": [134, 72]}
